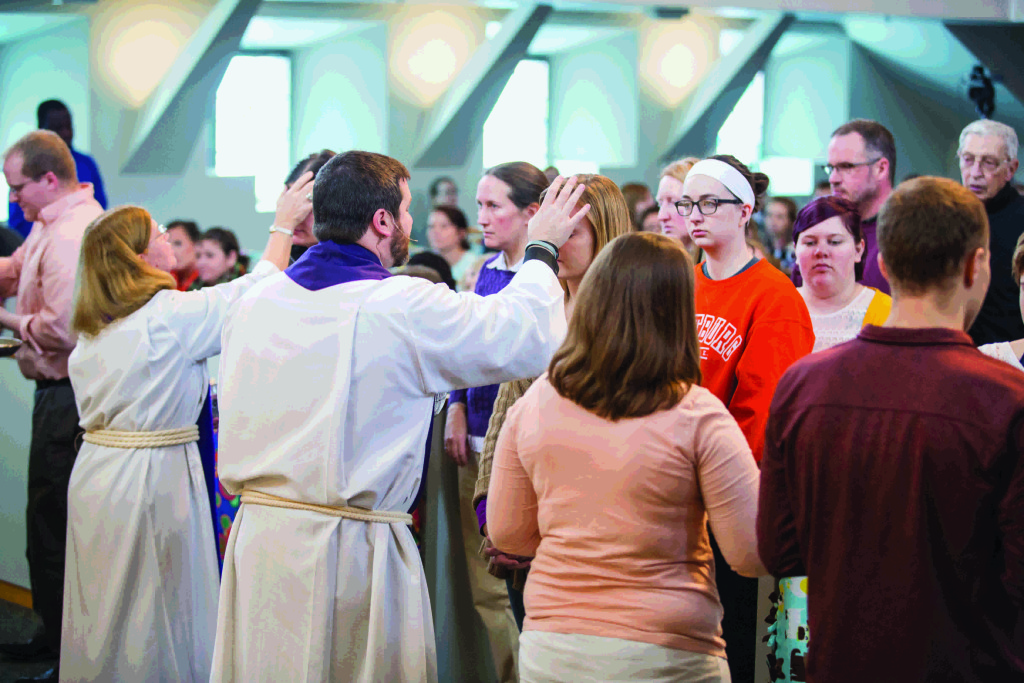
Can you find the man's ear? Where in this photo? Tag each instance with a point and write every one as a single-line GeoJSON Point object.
{"type": "Point", "coordinates": [881, 267]}
{"type": "Point", "coordinates": [974, 264]}
{"type": "Point", "coordinates": [380, 224]}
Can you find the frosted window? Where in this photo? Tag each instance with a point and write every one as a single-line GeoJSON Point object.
{"type": "Point", "coordinates": [568, 167]}
{"type": "Point", "coordinates": [742, 132]}
{"type": "Point", "coordinates": [253, 123]}
{"type": "Point", "coordinates": [517, 128]}
{"type": "Point", "coordinates": [790, 177]}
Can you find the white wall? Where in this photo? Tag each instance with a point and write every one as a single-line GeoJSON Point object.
{"type": "Point", "coordinates": [340, 94]}
{"type": "Point", "coordinates": [594, 107]}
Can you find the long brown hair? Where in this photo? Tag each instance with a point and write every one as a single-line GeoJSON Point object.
{"type": "Point", "coordinates": [113, 282]}
{"type": "Point", "coordinates": [632, 348]}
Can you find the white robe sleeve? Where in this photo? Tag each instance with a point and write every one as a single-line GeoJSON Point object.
{"type": "Point", "coordinates": [465, 340]}
{"type": "Point", "coordinates": [197, 318]}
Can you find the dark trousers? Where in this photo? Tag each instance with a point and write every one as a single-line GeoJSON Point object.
{"type": "Point", "coordinates": [515, 598]}
{"type": "Point", "coordinates": [739, 621]}
{"type": "Point", "coordinates": [51, 457]}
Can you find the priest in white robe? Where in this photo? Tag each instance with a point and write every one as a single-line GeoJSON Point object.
{"type": "Point", "coordinates": [328, 377]}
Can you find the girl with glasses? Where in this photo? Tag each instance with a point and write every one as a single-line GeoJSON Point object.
{"type": "Point", "coordinates": [752, 325]}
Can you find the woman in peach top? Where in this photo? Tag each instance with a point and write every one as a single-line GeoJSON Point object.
{"type": "Point", "coordinates": [607, 472]}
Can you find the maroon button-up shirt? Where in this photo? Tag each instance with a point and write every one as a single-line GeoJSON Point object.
{"type": "Point", "coordinates": [893, 477]}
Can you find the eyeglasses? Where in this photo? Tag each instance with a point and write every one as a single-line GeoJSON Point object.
{"type": "Point", "coordinates": [706, 206]}
{"type": "Point", "coordinates": [846, 166]}
{"type": "Point", "coordinates": [987, 164]}
{"type": "Point", "coordinates": [16, 189]}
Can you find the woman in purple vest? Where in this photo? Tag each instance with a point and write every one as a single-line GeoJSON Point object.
{"type": "Point", "coordinates": [507, 197]}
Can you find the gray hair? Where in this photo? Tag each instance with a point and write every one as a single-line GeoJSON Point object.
{"type": "Point", "coordinates": [988, 127]}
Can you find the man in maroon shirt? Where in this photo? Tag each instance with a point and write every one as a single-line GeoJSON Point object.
{"type": "Point", "coordinates": [893, 473]}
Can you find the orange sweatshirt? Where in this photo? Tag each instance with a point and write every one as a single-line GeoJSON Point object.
{"type": "Point", "coordinates": [752, 327]}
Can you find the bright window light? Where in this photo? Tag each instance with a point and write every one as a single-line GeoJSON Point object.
{"type": "Point", "coordinates": [517, 128]}
{"type": "Point", "coordinates": [253, 123]}
{"type": "Point", "coordinates": [742, 132]}
{"type": "Point", "coordinates": [790, 177]}
{"type": "Point", "coordinates": [568, 167]}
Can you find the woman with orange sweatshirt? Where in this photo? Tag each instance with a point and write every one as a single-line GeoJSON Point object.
{"type": "Point", "coordinates": [752, 325]}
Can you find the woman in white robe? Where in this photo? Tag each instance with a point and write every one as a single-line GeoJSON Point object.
{"type": "Point", "coordinates": [141, 583]}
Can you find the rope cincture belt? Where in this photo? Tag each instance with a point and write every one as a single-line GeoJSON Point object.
{"type": "Point", "coordinates": [156, 439]}
{"type": "Point", "coordinates": [358, 514]}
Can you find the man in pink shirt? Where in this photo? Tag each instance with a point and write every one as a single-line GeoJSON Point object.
{"type": "Point", "coordinates": [40, 172]}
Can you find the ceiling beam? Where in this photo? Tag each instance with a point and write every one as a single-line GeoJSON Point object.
{"type": "Point", "coordinates": [707, 108]}
{"type": "Point", "coordinates": [456, 122]}
{"type": "Point", "coordinates": [170, 121]}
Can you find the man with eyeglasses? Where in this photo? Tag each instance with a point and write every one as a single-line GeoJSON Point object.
{"type": "Point", "coordinates": [988, 160]}
{"type": "Point", "coordinates": [862, 168]}
{"type": "Point", "coordinates": [40, 173]}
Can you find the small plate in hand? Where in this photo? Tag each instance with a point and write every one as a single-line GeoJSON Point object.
{"type": "Point", "coordinates": [9, 346]}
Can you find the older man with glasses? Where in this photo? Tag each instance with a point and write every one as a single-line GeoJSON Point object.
{"type": "Point", "coordinates": [861, 168]}
{"type": "Point", "coordinates": [988, 160]}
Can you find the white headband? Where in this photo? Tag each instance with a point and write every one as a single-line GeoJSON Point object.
{"type": "Point", "coordinates": [728, 176]}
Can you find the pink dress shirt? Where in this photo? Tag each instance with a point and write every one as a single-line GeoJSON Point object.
{"type": "Point", "coordinates": [42, 275]}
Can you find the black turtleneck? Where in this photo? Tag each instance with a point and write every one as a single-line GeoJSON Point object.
{"type": "Point", "coordinates": [297, 251]}
{"type": "Point", "coordinates": [1000, 317]}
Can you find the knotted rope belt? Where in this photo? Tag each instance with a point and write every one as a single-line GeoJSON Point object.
{"type": "Point", "coordinates": [359, 514]}
{"type": "Point", "coordinates": [163, 437]}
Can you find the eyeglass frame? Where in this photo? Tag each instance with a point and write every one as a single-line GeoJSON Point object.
{"type": "Point", "coordinates": [980, 161]}
{"type": "Point", "coordinates": [845, 167]}
{"type": "Point", "coordinates": [718, 201]}
{"type": "Point", "coordinates": [16, 189]}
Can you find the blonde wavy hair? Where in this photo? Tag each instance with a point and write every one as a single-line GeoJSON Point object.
{"type": "Point", "coordinates": [113, 281]}
{"type": "Point", "coordinates": [609, 212]}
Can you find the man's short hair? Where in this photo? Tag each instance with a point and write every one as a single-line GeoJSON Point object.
{"type": "Point", "coordinates": [1018, 259]}
{"type": "Point", "coordinates": [314, 162]}
{"type": "Point", "coordinates": [349, 189]}
{"type": "Point", "coordinates": [42, 152]}
{"type": "Point", "coordinates": [46, 108]}
{"type": "Point", "coordinates": [877, 140]}
{"type": "Point", "coordinates": [926, 229]}
{"type": "Point", "coordinates": [988, 127]}
{"type": "Point", "coordinates": [191, 228]}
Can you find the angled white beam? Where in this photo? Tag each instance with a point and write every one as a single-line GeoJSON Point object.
{"type": "Point", "coordinates": [1000, 47]}
{"type": "Point", "coordinates": [172, 117]}
{"type": "Point", "coordinates": [707, 108]}
{"type": "Point", "coordinates": [457, 120]}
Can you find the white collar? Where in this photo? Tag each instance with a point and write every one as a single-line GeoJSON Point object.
{"type": "Point", "coordinates": [500, 264]}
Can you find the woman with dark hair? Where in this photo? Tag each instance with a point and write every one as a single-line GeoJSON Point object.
{"type": "Point", "coordinates": [606, 473]}
{"type": "Point", "coordinates": [830, 251]}
{"type": "Point", "coordinates": [752, 325]}
{"type": "Point", "coordinates": [608, 218]}
{"type": "Point", "coordinates": [140, 586]}
{"type": "Point", "coordinates": [507, 197]}
{"type": "Point", "coordinates": [448, 235]}
{"type": "Point", "coordinates": [218, 258]}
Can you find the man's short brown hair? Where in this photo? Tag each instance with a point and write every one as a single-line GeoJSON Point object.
{"type": "Point", "coordinates": [42, 152]}
{"type": "Point", "coordinates": [926, 230]}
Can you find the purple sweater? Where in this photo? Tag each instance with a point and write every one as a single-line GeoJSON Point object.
{"type": "Point", "coordinates": [480, 400]}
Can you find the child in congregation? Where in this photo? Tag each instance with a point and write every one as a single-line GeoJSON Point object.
{"type": "Point", "coordinates": [218, 258]}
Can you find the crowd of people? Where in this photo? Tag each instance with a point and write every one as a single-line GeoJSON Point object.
{"type": "Point", "coordinates": [650, 399]}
